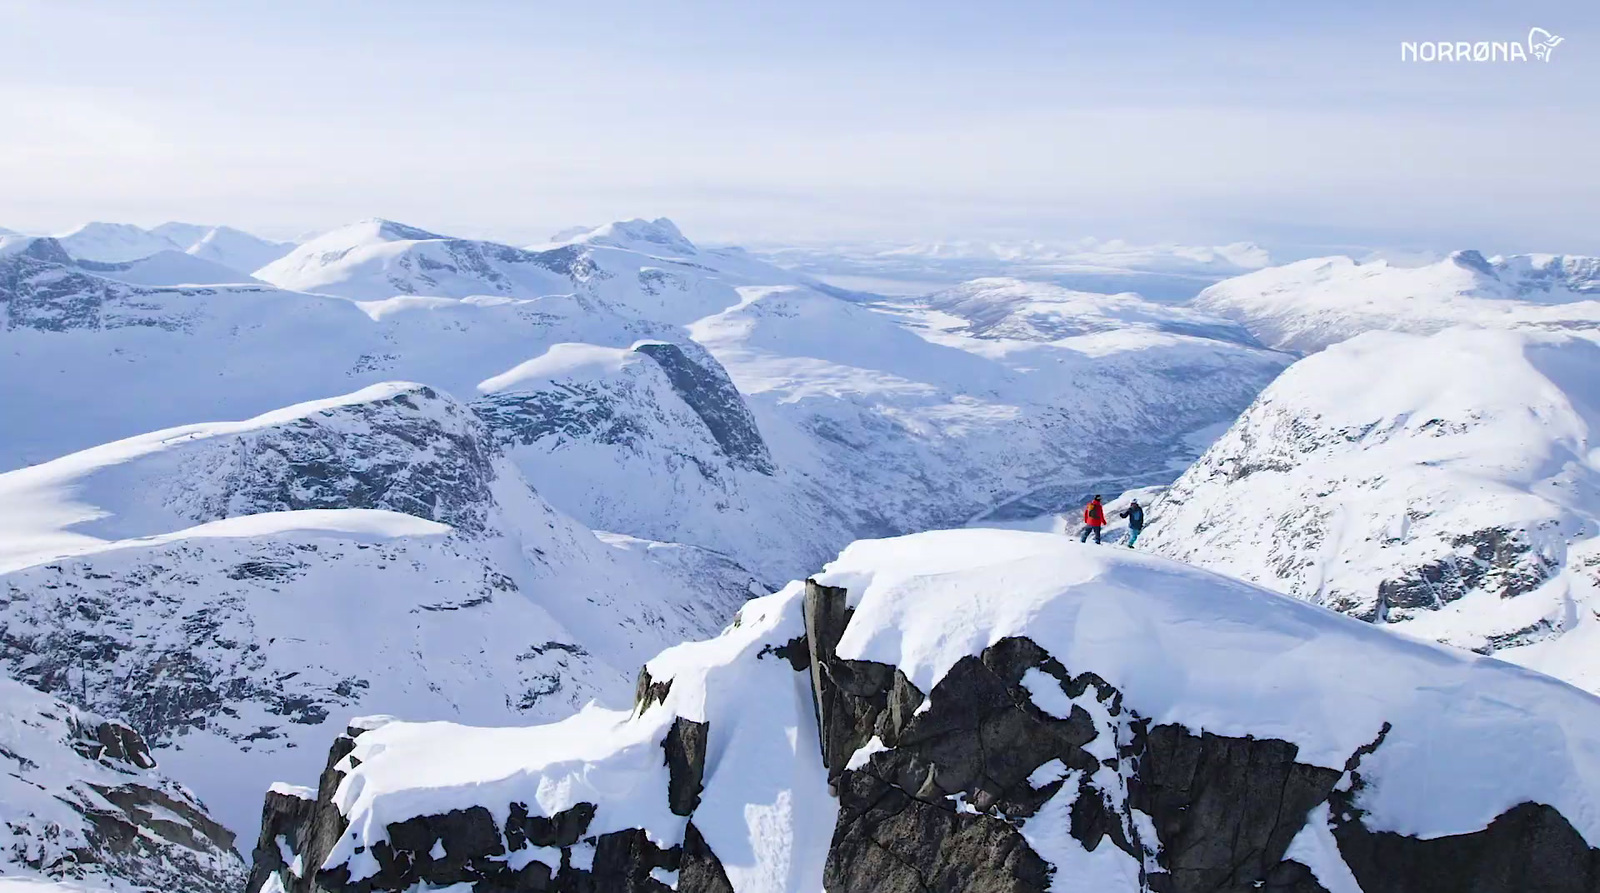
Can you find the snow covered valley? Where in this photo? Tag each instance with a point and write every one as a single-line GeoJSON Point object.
{"type": "Point", "coordinates": [251, 491]}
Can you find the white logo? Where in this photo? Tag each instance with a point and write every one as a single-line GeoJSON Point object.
{"type": "Point", "coordinates": [1541, 44]}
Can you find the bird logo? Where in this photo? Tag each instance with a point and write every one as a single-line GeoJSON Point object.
{"type": "Point", "coordinates": [1542, 43]}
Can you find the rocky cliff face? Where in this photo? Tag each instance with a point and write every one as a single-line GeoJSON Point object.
{"type": "Point", "coordinates": [1027, 764]}
{"type": "Point", "coordinates": [81, 800]}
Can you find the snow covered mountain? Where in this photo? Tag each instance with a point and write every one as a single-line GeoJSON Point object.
{"type": "Point", "coordinates": [986, 711]}
{"type": "Point", "coordinates": [232, 248]}
{"type": "Point", "coordinates": [655, 440]}
{"type": "Point", "coordinates": [859, 418]}
{"type": "Point", "coordinates": [1308, 305]}
{"type": "Point", "coordinates": [213, 248]}
{"type": "Point", "coordinates": [1445, 485]}
{"type": "Point", "coordinates": [227, 587]}
{"type": "Point", "coordinates": [82, 806]}
{"type": "Point", "coordinates": [646, 267]}
{"type": "Point", "coordinates": [1167, 272]}
{"type": "Point", "coordinates": [919, 415]}
{"type": "Point", "coordinates": [114, 242]}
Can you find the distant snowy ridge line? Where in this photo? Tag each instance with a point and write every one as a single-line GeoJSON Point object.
{"type": "Point", "coordinates": [1310, 304]}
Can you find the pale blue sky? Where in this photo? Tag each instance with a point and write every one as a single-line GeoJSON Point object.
{"type": "Point", "coordinates": [1288, 123]}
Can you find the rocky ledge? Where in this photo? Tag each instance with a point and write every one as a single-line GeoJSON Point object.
{"type": "Point", "coordinates": [1089, 722]}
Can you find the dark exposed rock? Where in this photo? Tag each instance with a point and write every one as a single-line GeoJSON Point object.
{"type": "Point", "coordinates": [416, 452]}
{"type": "Point", "coordinates": [648, 692]}
{"type": "Point", "coordinates": [685, 746]}
{"type": "Point", "coordinates": [713, 397]}
{"type": "Point", "coordinates": [1493, 559]}
{"type": "Point", "coordinates": [1225, 809]}
{"type": "Point", "coordinates": [1530, 847]}
{"type": "Point", "coordinates": [947, 798]}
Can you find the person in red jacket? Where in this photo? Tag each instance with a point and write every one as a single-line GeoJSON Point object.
{"type": "Point", "coordinates": [1094, 518]}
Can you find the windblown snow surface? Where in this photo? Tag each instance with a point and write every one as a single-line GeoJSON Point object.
{"type": "Point", "coordinates": [1447, 486]}
{"type": "Point", "coordinates": [1181, 645]}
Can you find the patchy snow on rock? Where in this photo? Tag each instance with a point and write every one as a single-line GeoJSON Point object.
{"type": "Point", "coordinates": [1444, 485]}
{"type": "Point", "coordinates": [715, 774]}
{"type": "Point", "coordinates": [83, 807]}
{"type": "Point", "coordinates": [371, 551]}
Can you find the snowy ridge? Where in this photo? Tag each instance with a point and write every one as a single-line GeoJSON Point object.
{"type": "Point", "coordinates": [1088, 674]}
{"type": "Point", "coordinates": [82, 805]}
{"type": "Point", "coordinates": [1443, 485]}
{"type": "Point", "coordinates": [269, 560]}
{"type": "Point", "coordinates": [1307, 305]}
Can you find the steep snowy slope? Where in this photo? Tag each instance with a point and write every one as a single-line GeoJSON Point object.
{"type": "Point", "coordinates": [373, 552]}
{"type": "Point", "coordinates": [82, 805]}
{"type": "Point", "coordinates": [114, 242]}
{"type": "Point", "coordinates": [987, 711]}
{"type": "Point", "coordinates": [656, 441]}
{"type": "Point", "coordinates": [1308, 305]}
{"type": "Point", "coordinates": [1440, 484]}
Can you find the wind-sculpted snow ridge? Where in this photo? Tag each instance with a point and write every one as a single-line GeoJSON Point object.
{"type": "Point", "coordinates": [986, 711]}
{"type": "Point", "coordinates": [1445, 485]}
{"type": "Point", "coordinates": [227, 587]}
{"type": "Point", "coordinates": [82, 806]}
{"type": "Point", "coordinates": [1308, 305]}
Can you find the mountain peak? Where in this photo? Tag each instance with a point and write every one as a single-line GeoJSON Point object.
{"type": "Point", "coordinates": [641, 235]}
{"type": "Point", "coordinates": [42, 248]}
{"type": "Point", "coordinates": [1474, 260]}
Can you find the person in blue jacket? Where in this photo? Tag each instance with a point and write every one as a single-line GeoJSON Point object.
{"type": "Point", "coordinates": [1135, 516]}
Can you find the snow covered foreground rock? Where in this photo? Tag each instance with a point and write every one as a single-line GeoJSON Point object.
{"type": "Point", "coordinates": [81, 801]}
{"type": "Point", "coordinates": [1447, 485]}
{"type": "Point", "coordinates": [987, 711]}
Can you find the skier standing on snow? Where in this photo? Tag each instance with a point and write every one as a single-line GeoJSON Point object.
{"type": "Point", "coordinates": [1094, 518]}
{"type": "Point", "coordinates": [1135, 516]}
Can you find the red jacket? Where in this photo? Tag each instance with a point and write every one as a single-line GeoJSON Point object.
{"type": "Point", "coordinates": [1094, 514]}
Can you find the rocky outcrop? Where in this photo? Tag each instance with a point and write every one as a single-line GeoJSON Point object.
{"type": "Point", "coordinates": [945, 800]}
{"type": "Point", "coordinates": [1013, 774]}
{"type": "Point", "coordinates": [299, 830]}
{"type": "Point", "coordinates": [706, 388]}
{"type": "Point", "coordinates": [81, 799]}
{"type": "Point", "coordinates": [413, 451]}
